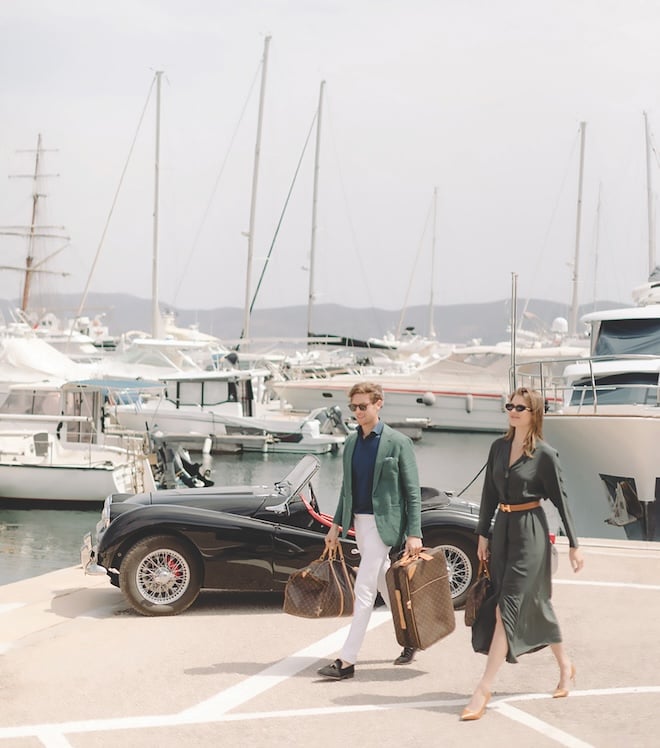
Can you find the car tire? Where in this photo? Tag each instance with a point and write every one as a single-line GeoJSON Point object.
{"type": "Point", "coordinates": [462, 563]}
{"type": "Point", "coordinates": [160, 575]}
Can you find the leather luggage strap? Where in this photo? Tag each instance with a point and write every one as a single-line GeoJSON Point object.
{"type": "Point", "coordinates": [519, 507]}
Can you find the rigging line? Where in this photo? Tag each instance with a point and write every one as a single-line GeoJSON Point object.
{"type": "Point", "coordinates": [544, 243]}
{"type": "Point", "coordinates": [365, 276]}
{"type": "Point", "coordinates": [483, 467]}
{"type": "Point", "coordinates": [404, 308]}
{"type": "Point", "coordinates": [279, 223]}
{"type": "Point", "coordinates": [114, 201]}
{"type": "Point", "coordinates": [223, 165]}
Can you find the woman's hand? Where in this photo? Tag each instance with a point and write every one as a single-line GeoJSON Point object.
{"type": "Point", "coordinates": [483, 554]}
{"type": "Point", "coordinates": [575, 557]}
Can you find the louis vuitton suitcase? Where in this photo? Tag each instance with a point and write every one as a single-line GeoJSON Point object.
{"type": "Point", "coordinates": [422, 608]}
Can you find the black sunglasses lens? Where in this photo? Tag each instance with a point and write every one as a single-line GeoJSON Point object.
{"type": "Point", "coordinates": [359, 406]}
{"type": "Point", "coordinates": [517, 408]}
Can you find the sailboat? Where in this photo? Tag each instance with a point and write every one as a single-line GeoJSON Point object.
{"type": "Point", "coordinates": [225, 403]}
{"type": "Point", "coordinates": [53, 443]}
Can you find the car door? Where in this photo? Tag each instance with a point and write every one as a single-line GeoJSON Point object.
{"type": "Point", "coordinates": [294, 548]}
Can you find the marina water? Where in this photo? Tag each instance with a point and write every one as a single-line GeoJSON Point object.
{"type": "Point", "coordinates": [35, 541]}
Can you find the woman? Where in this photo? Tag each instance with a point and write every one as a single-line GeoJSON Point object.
{"type": "Point", "coordinates": [519, 618]}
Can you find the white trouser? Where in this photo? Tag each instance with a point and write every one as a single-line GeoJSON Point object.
{"type": "Point", "coordinates": [374, 562]}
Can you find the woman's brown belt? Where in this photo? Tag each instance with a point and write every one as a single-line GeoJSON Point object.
{"type": "Point", "coordinates": [519, 507]}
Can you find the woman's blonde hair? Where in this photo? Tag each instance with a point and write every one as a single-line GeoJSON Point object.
{"type": "Point", "coordinates": [536, 404]}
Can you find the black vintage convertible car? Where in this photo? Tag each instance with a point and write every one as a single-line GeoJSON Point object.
{"type": "Point", "coordinates": [162, 548]}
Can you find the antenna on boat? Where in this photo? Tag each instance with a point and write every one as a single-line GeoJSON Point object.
{"type": "Point", "coordinates": [572, 330]}
{"type": "Point", "coordinates": [514, 315]}
{"type": "Point", "coordinates": [649, 195]}
{"type": "Point", "coordinates": [435, 217]}
{"type": "Point", "coordinates": [596, 246]}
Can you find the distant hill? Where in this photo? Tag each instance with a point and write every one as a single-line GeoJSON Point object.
{"type": "Point", "coordinates": [457, 323]}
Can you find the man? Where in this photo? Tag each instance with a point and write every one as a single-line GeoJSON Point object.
{"type": "Point", "coordinates": [381, 498]}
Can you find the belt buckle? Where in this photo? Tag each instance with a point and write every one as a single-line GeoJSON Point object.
{"type": "Point", "coordinates": [505, 507]}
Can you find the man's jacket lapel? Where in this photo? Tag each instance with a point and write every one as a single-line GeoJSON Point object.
{"type": "Point", "coordinates": [381, 454]}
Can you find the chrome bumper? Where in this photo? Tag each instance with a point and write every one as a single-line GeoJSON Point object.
{"type": "Point", "coordinates": [88, 557]}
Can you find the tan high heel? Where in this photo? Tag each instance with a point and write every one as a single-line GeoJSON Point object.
{"type": "Point", "coordinates": [469, 716]}
{"type": "Point", "coordinates": [562, 693]}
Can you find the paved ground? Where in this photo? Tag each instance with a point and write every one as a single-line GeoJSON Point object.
{"type": "Point", "coordinates": [79, 668]}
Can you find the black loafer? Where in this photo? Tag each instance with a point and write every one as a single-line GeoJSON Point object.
{"type": "Point", "coordinates": [336, 671]}
{"type": "Point", "coordinates": [407, 655]}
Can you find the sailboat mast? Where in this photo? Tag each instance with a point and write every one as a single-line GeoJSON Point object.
{"type": "Point", "coordinates": [253, 201]}
{"type": "Point", "coordinates": [649, 196]}
{"type": "Point", "coordinates": [431, 310]}
{"type": "Point", "coordinates": [312, 252]}
{"type": "Point", "coordinates": [574, 302]}
{"type": "Point", "coordinates": [155, 310]}
{"type": "Point", "coordinates": [32, 229]}
{"type": "Point", "coordinates": [596, 247]}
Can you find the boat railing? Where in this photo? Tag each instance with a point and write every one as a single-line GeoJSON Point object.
{"type": "Point", "coordinates": [584, 388]}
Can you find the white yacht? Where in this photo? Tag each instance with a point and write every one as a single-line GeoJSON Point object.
{"type": "Point", "coordinates": [604, 419]}
{"type": "Point", "coordinates": [54, 446]}
{"type": "Point", "coordinates": [230, 408]}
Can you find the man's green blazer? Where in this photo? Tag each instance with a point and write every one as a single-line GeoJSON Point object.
{"type": "Point", "coordinates": [396, 495]}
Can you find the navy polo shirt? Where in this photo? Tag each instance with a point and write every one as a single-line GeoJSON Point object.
{"type": "Point", "coordinates": [364, 462]}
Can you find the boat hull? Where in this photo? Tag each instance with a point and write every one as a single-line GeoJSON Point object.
{"type": "Point", "coordinates": [611, 469]}
{"type": "Point", "coordinates": [271, 432]}
{"type": "Point", "coordinates": [65, 483]}
{"type": "Point", "coordinates": [461, 409]}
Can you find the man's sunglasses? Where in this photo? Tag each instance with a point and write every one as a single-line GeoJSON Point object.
{"type": "Point", "coordinates": [360, 406]}
{"type": "Point", "coordinates": [517, 408]}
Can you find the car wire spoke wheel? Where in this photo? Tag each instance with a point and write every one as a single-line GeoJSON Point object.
{"type": "Point", "coordinates": [163, 576]}
{"type": "Point", "coordinates": [460, 570]}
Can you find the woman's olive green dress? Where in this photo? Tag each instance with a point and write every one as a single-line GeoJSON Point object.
{"type": "Point", "coordinates": [520, 550]}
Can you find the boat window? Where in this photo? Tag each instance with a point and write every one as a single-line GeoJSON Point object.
{"type": "Point", "coordinates": [189, 393]}
{"type": "Point", "coordinates": [200, 392]}
{"type": "Point", "coordinates": [31, 402]}
{"type": "Point", "coordinates": [81, 404]}
{"type": "Point", "coordinates": [628, 336]}
{"type": "Point", "coordinates": [215, 393]}
{"type": "Point", "coordinates": [618, 389]}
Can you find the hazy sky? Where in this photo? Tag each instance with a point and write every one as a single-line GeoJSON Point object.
{"type": "Point", "coordinates": [482, 99]}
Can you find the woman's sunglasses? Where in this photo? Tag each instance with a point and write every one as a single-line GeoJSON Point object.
{"type": "Point", "coordinates": [359, 406]}
{"type": "Point", "coordinates": [517, 408]}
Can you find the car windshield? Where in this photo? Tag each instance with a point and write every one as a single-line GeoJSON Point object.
{"type": "Point", "coordinates": [298, 477]}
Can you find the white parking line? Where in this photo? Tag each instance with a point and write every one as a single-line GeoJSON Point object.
{"type": "Point", "coordinates": [271, 676]}
{"type": "Point", "coordinates": [8, 607]}
{"type": "Point", "coordinates": [622, 585]}
{"type": "Point", "coordinates": [545, 729]}
{"type": "Point", "coordinates": [214, 709]}
{"type": "Point", "coordinates": [52, 735]}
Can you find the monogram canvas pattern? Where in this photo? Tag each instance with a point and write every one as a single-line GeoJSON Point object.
{"type": "Point", "coordinates": [324, 589]}
{"type": "Point", "coordinates": [422, 608]}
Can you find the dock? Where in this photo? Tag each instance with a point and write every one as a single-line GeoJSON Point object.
{"type": "Point", "coordinates": [78, 667]}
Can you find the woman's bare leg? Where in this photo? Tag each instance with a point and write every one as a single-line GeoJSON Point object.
{"type": "Point", "coordinates": [496, 656]}
{"type": "Point", "coordinates": [566, 670]}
